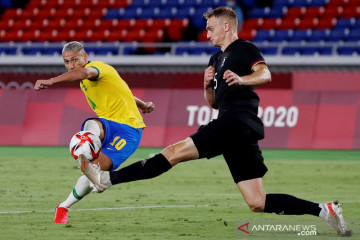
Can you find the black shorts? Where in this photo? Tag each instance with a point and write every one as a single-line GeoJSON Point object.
{"type": "Point", "coordinates": [236, 141]}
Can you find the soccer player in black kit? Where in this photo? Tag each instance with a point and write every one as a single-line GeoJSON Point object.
{"type": "Point", "coordinates": [229, 82]}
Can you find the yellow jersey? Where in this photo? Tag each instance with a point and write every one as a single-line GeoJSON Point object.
{"type": "Point", "coordinates": [110, 97]}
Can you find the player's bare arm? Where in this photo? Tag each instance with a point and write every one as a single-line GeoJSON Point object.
{"type": "Point", "coordinates": [77, 74]}
{"type": "Point", "coordinates": [146, 107]}
{"type": "Point", "coordinates": [209, 92]}
{"type": "Point", "coordinates": [261, 75]}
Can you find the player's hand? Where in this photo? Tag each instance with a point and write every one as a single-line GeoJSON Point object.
{"type": "Point", "coordinates": [148, 108]}
{"type": "Point", "coordinates": [209, 76]}
{"type": "Point", "coordinates": [232, 78]}
{"type": "Point", "coordinates": [42, 84]}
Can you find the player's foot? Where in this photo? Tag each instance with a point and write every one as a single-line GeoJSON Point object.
{"type": "Point", "coordinates": [100, 179]}
{"type": "Point", "coordinates": [60, 215]}
{"type": "Point", "coordinates": [334, 218]}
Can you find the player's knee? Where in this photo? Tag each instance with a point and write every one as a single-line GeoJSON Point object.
{"type": "Point", "coordinates": [181, 151]}
{"type": "Point", "coordinates": [172, 155]}
{"type": "Point", "coordinates": [94, 126]}
{"type": "Point", "coordinates": [256, 206]}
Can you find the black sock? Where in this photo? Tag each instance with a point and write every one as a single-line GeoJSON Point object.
{"type": "Point", "coordinates": [290, 205]}
{"type": "Point", "coordinates": [144, 169]}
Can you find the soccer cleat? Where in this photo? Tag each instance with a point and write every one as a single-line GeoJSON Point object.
{"type": "Point", "coordinates": [100, 179]}
{"type": "Point", "coordinates": [334, 217]}
{"type": "Point", "coordinates": [60, 215]}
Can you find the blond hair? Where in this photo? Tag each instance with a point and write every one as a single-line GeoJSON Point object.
{"type": "Point", "coordinates": [223, 12]}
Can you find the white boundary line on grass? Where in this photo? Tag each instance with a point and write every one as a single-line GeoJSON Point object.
{"type": "Point", "coordinates": [144, 207]}
{"type": "Point", "coordinates": [126, 208]}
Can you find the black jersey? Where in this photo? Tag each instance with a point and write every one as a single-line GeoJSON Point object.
{"type": "Point", "coordinates": [239, 57]}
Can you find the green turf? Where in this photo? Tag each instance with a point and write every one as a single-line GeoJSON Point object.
{"type": "Point", "coordinates": [202, 201]}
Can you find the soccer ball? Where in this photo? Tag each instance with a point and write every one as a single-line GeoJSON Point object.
{"type": "Point", "coordinates": [85, 143]}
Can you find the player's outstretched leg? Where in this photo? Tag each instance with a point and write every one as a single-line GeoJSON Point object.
{"type": "Point", "coordinates": [144, 169]}
{"type": "Point", "coordinates": [81, 189]}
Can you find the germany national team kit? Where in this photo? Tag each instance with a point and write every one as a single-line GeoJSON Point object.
{"type": "Point", "coordinates": [236, 131]}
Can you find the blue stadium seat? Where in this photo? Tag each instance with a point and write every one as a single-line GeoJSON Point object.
{"type": "Point", "coordinates": [129, 50]}
{"type": "Point", "coordinates": [299, 3]}
{"type": "Point", "coordinates": [218, 3]}
{"type": "Point", "coordinates": [208, 3]}
{"type": "Point", "coordinates": [263, 35]}
{"type": "Point", "coordinates": [277, 12]}
{"type": "Point", "coordinates": [185, 12]}
{"type": "Point", "coordinates": [249, 3]}
{"type": "Point", "coordinates": [172, 3]}
{"type": "Point", "coordinates": [269, 50]}
{"type": "Point", "coordinates": [282, 35]}
{"type": "Point", "coordinates": [91, 50]}
{"type": "Point", "coordinates": [157, 3]}
{"type": "Point", "coordinates": [290, 51]}
{"type": "Point", "coordinates": [325, 50]}
{"type": "Point", "coordinates": [257, 12]}
{"type": "Point", "coordinates": [354, 35]}
{"type": "Point", "coordinates": [319, 35]}
{"type": "Point", "coordinates": [198, 20]}
{"type": "Point", "coordinates": [167, 12]}
{"type": "Point", "coordinates": [108, 50]}
{"type": "Point", "coordinates": [131, 12]}
{"type": "Point", "coordinates": [348, 51]}
{"type": "Point", "coordinates": [8, 50]}
{"type": "Point", "coordinates": [31, 50]}
{"type": "Point", "coordinates": [308, 50]}
{"type": "Point", "coordinates": [51, 50]}
{"type": "Point", "coordinates": [317, 3]}
{"type": "Point", "coordinates": [112, 14]}
{"type": "Point", "coordinates": [182, 51]}
{"type": "Point", "coordinates": [150, 12]}
{"type": "Point", "coordinates": [138, 3]}
{"type": "Point", "coordinates": [280, 3]}
{"type": "Point", "coordinates": [212, 50]}
{"type": "Point", "coordinates": [300, 35]}
{"type": "Point", "coordinates": [356, 24]}
{"type": "Point", "coordinates": [343, 23]}
{"type": "Point", "coordinates": [337, 35]}
{"type": "Point", "coordinates": [198, 51]}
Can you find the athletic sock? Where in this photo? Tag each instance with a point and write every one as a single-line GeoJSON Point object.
{"type": "Point", "coordinates": [285, 204]}
{"type": "Point", "coordinates": [144, 169]}
{"type": "Point", "coordinates": [81, 189]}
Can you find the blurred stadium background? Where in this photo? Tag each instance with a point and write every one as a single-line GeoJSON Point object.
{"type": "Point", "coordinates": [160, 48]}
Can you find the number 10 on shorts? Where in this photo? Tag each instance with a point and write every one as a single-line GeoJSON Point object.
{"type": "Point", "coordinates": [118, 142]}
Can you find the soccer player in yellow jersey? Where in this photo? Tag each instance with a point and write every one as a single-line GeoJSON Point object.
{"type": "Point", "coordinates": [116, 107]}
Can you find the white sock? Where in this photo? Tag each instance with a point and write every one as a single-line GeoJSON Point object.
{"type": "Point", "coordinates": [323, 212]}
{"type": "Point", "coordinates": [92, 126]}
{"type": "Point", "coordinates": [81, 189]}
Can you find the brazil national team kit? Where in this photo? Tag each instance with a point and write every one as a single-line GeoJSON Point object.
{"type": "Point", "coordinates": [114, 104]}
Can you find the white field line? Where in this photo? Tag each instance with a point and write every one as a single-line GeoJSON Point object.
{"type": "Point", "coordinates": [147, 207]}
{"type": "Point", "coordinates": [125, 208]}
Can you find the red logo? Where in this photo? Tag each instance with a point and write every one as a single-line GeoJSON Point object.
{"type": "Point", "coordinates": [243, 226]}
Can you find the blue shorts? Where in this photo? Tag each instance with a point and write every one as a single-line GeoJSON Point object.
{"type": "Point", "coordinates": [120, 141]}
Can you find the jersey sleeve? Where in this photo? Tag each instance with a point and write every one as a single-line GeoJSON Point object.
{"type": "Point", "coordinates": [99, 67]}
{"type": "Point", "coordinates": [254, 55]}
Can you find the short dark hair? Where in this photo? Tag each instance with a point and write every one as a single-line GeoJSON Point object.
{"type": "Point", "coordinates": [226, 12]}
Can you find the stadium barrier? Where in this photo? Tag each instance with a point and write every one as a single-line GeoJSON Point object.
{"type": "Point", "coordinates": [313, 112]}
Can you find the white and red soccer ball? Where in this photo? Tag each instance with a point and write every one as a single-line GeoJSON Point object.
{"type": "Point", "coordinates": [85, 143]}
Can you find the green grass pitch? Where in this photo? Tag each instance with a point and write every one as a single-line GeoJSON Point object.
{"type": "Point", "coordinates": [194, 200]}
